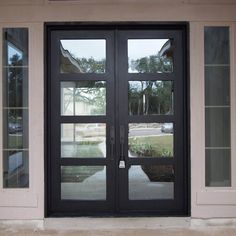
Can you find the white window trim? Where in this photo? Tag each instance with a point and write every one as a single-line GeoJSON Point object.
{"type": "Point", "coordinates": [31, 198]}
{"type": "Point", "coordinates": [202, 195]}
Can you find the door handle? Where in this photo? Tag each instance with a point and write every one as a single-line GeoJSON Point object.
{"type": "Point", "coordinates": [112, 140]}
{"type": "Point", "coordinates": [122, 142]}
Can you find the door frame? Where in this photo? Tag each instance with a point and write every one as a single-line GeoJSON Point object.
{"type": "Point", "coordinates": [184, 26]}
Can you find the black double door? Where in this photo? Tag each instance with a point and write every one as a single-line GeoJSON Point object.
{"type": "Point", "coordinates": [116, 120]}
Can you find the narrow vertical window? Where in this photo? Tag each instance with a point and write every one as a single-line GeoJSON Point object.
{"type": "Point", "coordinates": [217, 107]}
{"type": "Point", "coordinates": [15, 108]}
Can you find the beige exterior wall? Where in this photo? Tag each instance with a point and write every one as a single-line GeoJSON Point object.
{"type": "Point", "coordinates": [205, 202]}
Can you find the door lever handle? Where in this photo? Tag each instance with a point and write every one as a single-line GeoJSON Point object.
{"type": "Point", "coordinates": [122, 142]}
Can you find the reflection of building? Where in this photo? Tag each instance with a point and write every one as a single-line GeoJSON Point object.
{"type": "Point", "coordinates": [68, 63]}
{"type": "Point", "coordinates": [166, 54]}
{"type": "Point", "coordinates": [167, 50]}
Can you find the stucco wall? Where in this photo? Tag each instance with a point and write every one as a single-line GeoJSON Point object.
{"type": "Point", "coordinates": [116, 10]}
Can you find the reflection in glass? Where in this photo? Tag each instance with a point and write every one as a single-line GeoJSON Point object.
{"type": "Point", "coordinates": [151, 140]}
{"type": "Point", "coordinates": [16, 129]}
{"type": "Point", "coordinates": [83, 182]}
{"type": "Point", "coordinates": [150, 97]}
{"type": "Point", "coordinates": [15, 169]}
{"type": "Point", "coordinates": [151, 182]}
{"type": "Point", "coordinates": [217, 86]}
{"type": "Point", "coordinates": [217, 125]}
{"type": "Point", "coordinates": [217, 106]}
{"type": "Point", "coordinates": [150, 56]}
{"type": "Point", "coordinates": [83, 98]}
{"type": "Point", "coordinates": [16, 46]}
{"type": "Point", "coordinates": [82, 55]}
{"type": "Point", "coordinates": [17, 87]}
{"type": "Point", "coordinates": [216, 41]}
{"type": "Point", "coordinates": [218, 167]}
{"type": "Point", "coordinates": [15, 108]}
{"type": "Point", "coordinates": [84, 140]}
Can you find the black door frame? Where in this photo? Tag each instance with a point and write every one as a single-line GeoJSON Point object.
{"type": "Point", "coordinates": [183, 26]}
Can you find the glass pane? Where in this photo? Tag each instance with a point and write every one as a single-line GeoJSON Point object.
{"type": "Point", "coordinates": [16, 94]}
{"type": "Point", "coordinates": [16, 128]}
{"type": "Point", "coordinates": [151, 140]}
{"type": "Point", "coordinates": [217, 125]}
{"type": "Point", "coordinates": [218, 168]}
{"type": "Point", "coordinates": [16, 46]}
{"type": "Point", "coordinates": [84, 140]}
{"type": "Point", "coordinates": [151, 182]}
{"type": "Point", "coordinates": [217, 106]}
{"type": "Point", "coordinates": [150, 56]}
{"type": "Point", "coordinates": [83, 182]}
{"type": "Point", "coordinates": [15, 108]}
{"type": "Point", "coordinates": [83, 98]}
{"type": "Point", "coordinates": [216, 45]}
{"type": "Point", "coordinates": [217, 86]}
{"type": "Point", "coordinates": [15, 169]}
{"type": "Point", "coordinates": [82, 55]}
{"type": "Point", "coordinates": [150, 97]}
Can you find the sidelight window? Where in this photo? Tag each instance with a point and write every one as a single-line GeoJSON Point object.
{"type": "Point", "coordinates": [217, 107]}
{"type": "Point", "coordinates": [15, 108]}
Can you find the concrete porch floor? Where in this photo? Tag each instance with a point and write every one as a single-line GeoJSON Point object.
{"type": "Point", "coordinates": [144, 226]}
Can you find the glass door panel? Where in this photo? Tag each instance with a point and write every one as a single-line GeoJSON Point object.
{"type": "Point", "coordinates": [83, 140]}
{"type": "Point", "coordinates": [151, 182]}
{"type": "Point", "coordinates": [155, 56]}
{"type": "Point", "coordinates": [81, 98]}
{"type": "Point", "coordinates": [117, 121]}
{"type": "Point", "coordinates": [83, 182]}
{"type": "Point", "coordinates": [82, 56]}
{"type": "Point", "coordinates": [150, 140]}
{"type": "Point", "coordinates": [151, 114]}
{"type": "Point", "coordinates": [82, 116]}
{"type": "Point", "coordinates": [150, 98]}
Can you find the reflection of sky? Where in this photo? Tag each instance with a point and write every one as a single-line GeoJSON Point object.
{"type": "Point", "coordinates": [96, 48]}
{"type": "Point", "coordinates": [12, 51]}
{"type": "Point", "coordinates": [138, 48]}
{"type": "Point", "coordinates": [85, 48]}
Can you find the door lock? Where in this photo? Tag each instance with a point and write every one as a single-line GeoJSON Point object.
{"type": "Point", "coordinates": [122, 164]}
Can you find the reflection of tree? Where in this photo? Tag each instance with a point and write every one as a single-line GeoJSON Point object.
{"type": "Point", "coordinates": [91, 65]}
{"type": "Point", "coordinates": [93, 94]}
{"type": "Point", "coordinates": [90, 93]}
{"type": "Point", "coordinates": [152, 64]}
{"type": "Point", "coordinates": [150, 97]}
{"type": "Point", "coordinates": [15, 82]}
